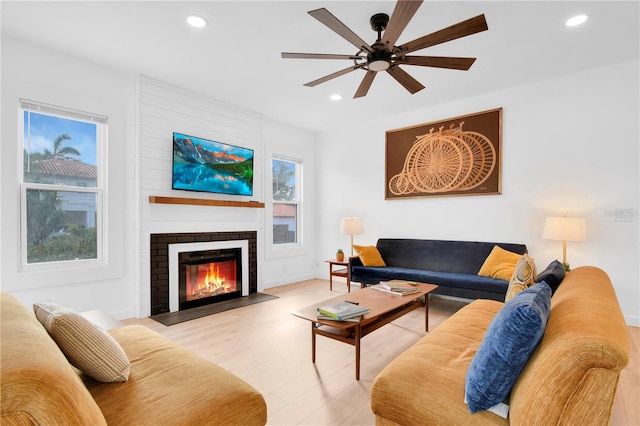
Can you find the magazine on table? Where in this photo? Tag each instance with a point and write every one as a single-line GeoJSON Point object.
{"type": "Point", "coordinates": [385, 289]}
{"type": "Point", "coordinates": [342, 310]}
{"type": "Point", "coordinates": [400, 285]}
{"type": "Point", "coordinates": [351, 319]}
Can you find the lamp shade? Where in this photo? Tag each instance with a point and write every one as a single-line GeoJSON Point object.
{"type": "Point", "coordinates": [351, 226]}
{"type": "Point", "coordinates": [563, 228]}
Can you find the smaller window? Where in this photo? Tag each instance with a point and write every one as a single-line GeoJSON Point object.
{"type": "Point", "coordinates": [286, 201]}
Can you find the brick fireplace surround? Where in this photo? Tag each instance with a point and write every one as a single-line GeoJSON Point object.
{"type": "Point", "coordinates": [159, 262]}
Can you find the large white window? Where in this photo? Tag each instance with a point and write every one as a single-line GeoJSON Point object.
{"type": "Point", "coordinates": [287, 200]}
{"type": "Point", "coordinates": [62, 187]}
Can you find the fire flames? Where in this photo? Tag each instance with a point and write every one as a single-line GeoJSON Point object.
{"type": "Point", "coordinates": [210, 283]}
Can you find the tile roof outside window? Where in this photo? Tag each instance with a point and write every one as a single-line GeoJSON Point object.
{"type": "Point", "coordinates": [284, 210]}
{"type": "Point", "coordinates": [65, 167]}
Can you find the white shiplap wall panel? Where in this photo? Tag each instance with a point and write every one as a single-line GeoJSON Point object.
{"type": "Point", "coordinates": [161, 119]}
{"type": "Point", "coordinates": [162, 110]}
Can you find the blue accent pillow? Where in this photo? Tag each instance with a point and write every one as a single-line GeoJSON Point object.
{"type": "Point", "coordinates": [552, 275]}
{"type": "Point", "coordinates": [508, 343]}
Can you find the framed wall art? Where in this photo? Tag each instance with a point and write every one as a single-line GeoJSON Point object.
{"type": "Point", "coordinates": [457, 156]}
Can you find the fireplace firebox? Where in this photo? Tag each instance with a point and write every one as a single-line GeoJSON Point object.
{"type": "Point", "coordinates": [209, 276]}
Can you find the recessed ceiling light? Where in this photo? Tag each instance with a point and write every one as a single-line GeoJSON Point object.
{"type": "Point", "coordinates": [335, 97]}
{"type": "Point", "coordinates": [197, 21]}
{"type": "Point", "coordinates": [576, 20]}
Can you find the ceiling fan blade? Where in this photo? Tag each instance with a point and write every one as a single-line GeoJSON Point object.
{"type": "Point", "coordinates": [408, 82]}
{"type": "Point", "coordinates": [332, 76]}
{"type": "Point", "coordinates": [365, 85]}
{"type": "Point", "coordinates": [461, 29]}
{"type": "Point", "coordinates": [439, 62]}
{"type": "Point", "coordinates": [402, 14]}
{"type": "Point", "coordinates": [324, 16]}
{"type": "Point", "coordinates": [287, 55]}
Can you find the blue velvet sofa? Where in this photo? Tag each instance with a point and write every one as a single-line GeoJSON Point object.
{"type": "Point", "coordinates": [452, 265]}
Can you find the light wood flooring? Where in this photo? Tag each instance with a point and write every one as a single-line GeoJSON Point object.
{"type": "Point", "coordinates": [271, 349]}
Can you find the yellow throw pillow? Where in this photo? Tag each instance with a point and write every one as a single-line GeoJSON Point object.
{"type": "Point", "coordinates": [369, 255]}
{"type": "Point", "coordinates": [523, 277]}
{"type": "Point", "coordinates": [89, 348]}
{"type": "Point", "coordinates": [499, 264]}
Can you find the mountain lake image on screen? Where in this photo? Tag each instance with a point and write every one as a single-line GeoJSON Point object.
{"type": "Point", "coordinates": [207, 166]}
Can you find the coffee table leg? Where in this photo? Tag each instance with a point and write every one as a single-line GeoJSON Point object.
{"type": "Point", "coordinates": [313, 342]}
{"type": "Point", "coordinates": [426, 313]}
{"type": "Point", "coordinates": [357, 341]}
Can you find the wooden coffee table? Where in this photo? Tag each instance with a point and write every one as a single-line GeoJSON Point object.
{"type": "Point", "coordinates": [383, 308]}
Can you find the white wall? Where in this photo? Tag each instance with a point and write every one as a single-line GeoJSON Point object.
{"type": "Point", "coordinates": [42, 75]}
{"type": "Point", "coordinates": [289, 263]}
{"type": "Point", "coordinates": [143, 113]}
{"type": "Point", "coordinates": [570, 146]}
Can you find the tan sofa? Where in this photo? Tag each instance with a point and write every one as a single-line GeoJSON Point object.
{"type": "Point", "coordinates": [167, 385]}
{"type": "Point", "coordinates": [571, 378]}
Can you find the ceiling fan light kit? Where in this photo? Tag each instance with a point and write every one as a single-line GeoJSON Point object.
{"type": "Point", "coordinates": [384, 55]}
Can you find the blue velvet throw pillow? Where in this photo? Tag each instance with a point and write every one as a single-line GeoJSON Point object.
{"type": "Point", "coordinates": [508, 343]}
{"type": "Point", "coordinates": [552, 275]}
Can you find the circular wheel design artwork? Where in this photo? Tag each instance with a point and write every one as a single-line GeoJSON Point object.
{"type": "Point", "coordinates": [399, 184]}
{"type": "Point", "coordinates": [446, 160]}
{"type": "Point", "coordinates": [483, 159]}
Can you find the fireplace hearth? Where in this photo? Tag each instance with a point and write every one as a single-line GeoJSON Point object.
{"type": "Point", "coordinates": [161, 266]}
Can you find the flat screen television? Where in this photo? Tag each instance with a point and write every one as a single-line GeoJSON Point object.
{"type": "Point", "coordinates": [208, 166]}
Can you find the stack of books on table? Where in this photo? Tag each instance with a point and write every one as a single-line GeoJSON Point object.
{"type": "Point", "coordinates": [397, 287]}
{"type": "Point", "coordinates": [342, 311]}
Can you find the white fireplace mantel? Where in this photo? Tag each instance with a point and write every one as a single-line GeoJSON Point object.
{"type": "Point", "coordinates": [176, 249]}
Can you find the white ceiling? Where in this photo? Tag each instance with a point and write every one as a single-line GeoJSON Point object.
{"type": "Point", "coordinates": [236, 59]}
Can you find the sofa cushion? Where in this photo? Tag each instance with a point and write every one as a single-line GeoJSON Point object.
{"type": "Point", "coordinates": [523, 276]}
{"type": "Point", "coordinates": [510, 340]}
{"type": "Point", "coordinates": [369, 255]}
{"type": "Point", "coordinates": [552, 275]}
{"type": "Point", "coordinates": [86, 346]}
{"type": "Point", "coordinates": [170, 384]}
{"type": "Point", "coordinates": [462, 281]}
{"type": "Point", "coordinates": [425, 384]}
{"type": "Point", "coordinates": [499, 264]}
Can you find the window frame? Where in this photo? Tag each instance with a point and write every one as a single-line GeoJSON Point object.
{"type": "Point", "coordinates": [298, 203]}
{"type": "Point", "coordinates": [99, 190]}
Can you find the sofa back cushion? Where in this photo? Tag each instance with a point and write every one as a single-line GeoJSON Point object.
{"type": "Point", "coordinates": [572, 376]}
{"type": "Point", "coordinates": [461, 257]}
{"type": "Point", "coordinates": [37, 383]}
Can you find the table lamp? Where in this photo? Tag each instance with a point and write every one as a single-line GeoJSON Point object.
{"type": "Point", "coordinates": [564, 229]}
{"type": "Point", "coordinates": [351, 226]}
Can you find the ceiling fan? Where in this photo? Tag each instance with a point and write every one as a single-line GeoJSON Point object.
{"type": "Point", "coordinates": [384, 55]}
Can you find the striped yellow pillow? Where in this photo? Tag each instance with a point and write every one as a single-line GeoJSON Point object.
{"type": "Point", "coordinates": [523, 277]}
{"type": "Point", "coordinates": [87, 347]}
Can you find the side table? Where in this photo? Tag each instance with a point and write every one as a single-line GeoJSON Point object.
{"type": "Point", "coordinates": [343, 272]}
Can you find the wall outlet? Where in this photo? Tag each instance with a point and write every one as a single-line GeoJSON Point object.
{"type": "Point", "coordinates": [624, 215]}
